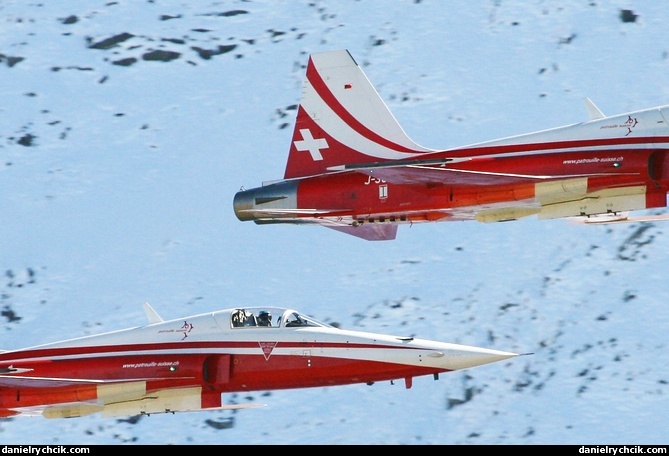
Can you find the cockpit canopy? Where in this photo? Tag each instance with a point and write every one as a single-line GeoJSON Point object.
{"type": "Point", "coordinates": [271, 317]}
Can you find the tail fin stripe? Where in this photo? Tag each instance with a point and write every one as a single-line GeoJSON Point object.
{"type": "Point", "coordinates": [336, 128]}
{"type": "Point", "coordinates": [331, 101]}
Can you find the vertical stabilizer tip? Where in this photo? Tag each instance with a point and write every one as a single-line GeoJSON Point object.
{"type": "Point", "coordinates": [593, 110]}
{"type": "Point", "coordinates": [151, 314]}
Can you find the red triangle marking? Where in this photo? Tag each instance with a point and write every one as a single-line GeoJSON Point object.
{"type": "Point", "coordinates": [267, 348]}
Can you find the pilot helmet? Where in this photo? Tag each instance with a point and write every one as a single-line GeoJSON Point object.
{"type": "Point", "coordinates": [264, 316]}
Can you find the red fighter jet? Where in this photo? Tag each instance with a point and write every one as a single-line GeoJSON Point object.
{"type": "Point", "coordinates": [352, 168]}
{"type": "Point", "coordinates": [188, 363]}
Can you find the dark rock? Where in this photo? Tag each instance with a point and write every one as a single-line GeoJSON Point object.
{"type": "Point", "coordinates": [125, 62]}
{"type": "Point", "coordinates": [209, 53]}
{"type": "Point", "coordinates": [26, 140]}
{"type": "Point", "coordinates": [10, 61]}
{"type": "Point", "coordinates": [111, 42]}
{"type": "Point", "coordinates": [162, 56]}
{"type": "Point", "coordinates": [70, 20]}
{"type": "Point", "coordinates": [628, 15]}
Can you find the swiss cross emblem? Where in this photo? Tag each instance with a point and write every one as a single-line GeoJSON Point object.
{"type": "Point", "coordinates": [267, 348]}
{"type": "Point", "coordinates": [311, 144]}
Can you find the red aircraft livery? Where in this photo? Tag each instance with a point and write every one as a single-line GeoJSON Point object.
{"type": "Point", "coordinates": [188, 363]}
{"type": "Point", "coordinates": [352, 168]}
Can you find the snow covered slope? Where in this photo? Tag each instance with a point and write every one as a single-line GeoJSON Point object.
{"type": "Point", "coordinates": [126, 127]}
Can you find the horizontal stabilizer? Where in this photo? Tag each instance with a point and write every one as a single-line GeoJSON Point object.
{"type": "Point", "coordinates": [369, 232]}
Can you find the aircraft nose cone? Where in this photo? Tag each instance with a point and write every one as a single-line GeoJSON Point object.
{"type": "Point", "coordinates": [474, 356]}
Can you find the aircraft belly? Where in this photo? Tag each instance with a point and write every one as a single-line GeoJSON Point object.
{"type": "Point", "coordinates": [549, 199]}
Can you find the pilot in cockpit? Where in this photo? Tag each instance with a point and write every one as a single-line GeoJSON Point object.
{"type": "Point", "coordinates": [294, 320]}
{"type": "Point", "coordinates": [264, 318]}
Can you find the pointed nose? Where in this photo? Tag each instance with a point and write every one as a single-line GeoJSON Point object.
{"type": "Point", "coordinates": [467, 357]}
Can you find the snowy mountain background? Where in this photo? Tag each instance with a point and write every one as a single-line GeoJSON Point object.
{"type": "Point", "coordinates": [126, 127]}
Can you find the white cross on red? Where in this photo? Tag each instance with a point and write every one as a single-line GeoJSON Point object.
{"type": "Point", "coordinates": [314, 146]}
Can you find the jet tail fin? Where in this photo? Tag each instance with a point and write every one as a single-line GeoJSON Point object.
{"type": "Point", "coordinates": [151, 314]}
{"type": "Point", "coordinates": [593, 110]}
{"type": "Point", "coordinates": [342, 119]}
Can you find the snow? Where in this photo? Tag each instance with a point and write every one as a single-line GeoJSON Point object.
{"type": "Point", "coordinates": [124, 195]}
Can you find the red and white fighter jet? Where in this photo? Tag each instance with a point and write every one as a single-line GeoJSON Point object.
{"type": "Point", "coordinates": [188, 363]}
{"type": "Point", "coordinates": [352, 168]}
